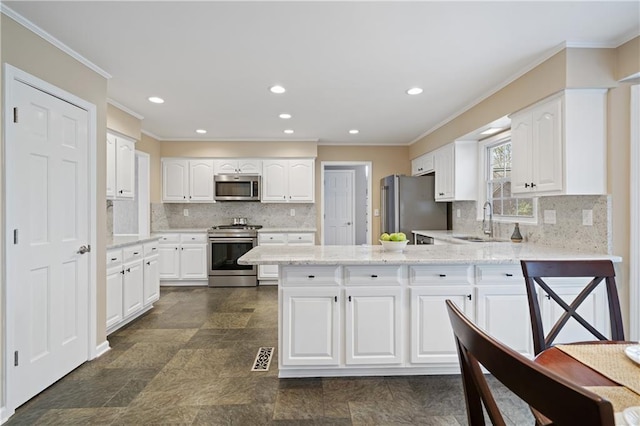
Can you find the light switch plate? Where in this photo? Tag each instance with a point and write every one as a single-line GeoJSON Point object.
{"type": "Point", "coordinates": [292, 212]}
{"type": "Point", "coordinates": [185, 212]}
{"type": "Point", "coordinates": [376, 212]}
{"type": "Point", "coordinates": [549, 217]}
{"type": "Point", "coordinates": [457, 212]}
{"type": "Point", "coordinates": [587, 217]}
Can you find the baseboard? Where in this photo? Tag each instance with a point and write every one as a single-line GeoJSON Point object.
{"type": "Point", "coordinates": [181, 283]}
{"type": "Point", "coordinates": [102, 348]}
{"type": "Point", "coordinates": [5, 414]}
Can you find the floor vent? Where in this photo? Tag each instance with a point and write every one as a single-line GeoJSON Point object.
{"type": "Point", "coordinates": [263, 359]}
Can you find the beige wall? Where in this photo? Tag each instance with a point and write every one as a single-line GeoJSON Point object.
{"type": "Point", "coordinates": [152, 147]}
{"type": "Point", "coordinates": [123, 122]}
{"type": "Point", "coordinates": [591, 68]}
{"type": "Point", "coordinates": [238, 149]}
{"type": "Point", "coordinates": [628, 60]}
{"type": "Point", "coordinates": [385, 160]}
{"type": "Point", "coordinates": [32, 54]}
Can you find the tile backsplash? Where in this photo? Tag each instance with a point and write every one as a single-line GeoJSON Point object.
{"type": "Point", "coordinates": [567, 232]}
{"type": "Point", "coordinates": [205, 215]}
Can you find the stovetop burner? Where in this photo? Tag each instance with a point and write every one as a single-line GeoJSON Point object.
{"type": "Point", "coordinates": [236, 227]}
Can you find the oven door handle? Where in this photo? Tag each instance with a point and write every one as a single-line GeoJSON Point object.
{"type": "Point", "coordinates": [231, 240]}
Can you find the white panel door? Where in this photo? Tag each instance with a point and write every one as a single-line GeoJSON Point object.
{"type": "Point", "coordinates": [193, 261]}
{"type": "Point", "coordinates": [169, 262]}
{"type": "Point", "coordinates": [114, 297]}
{"type": "Point", "coordinates": [547, 146]}
{"type": "Point", "coordinates": [175, 180]}
{"type": "Point", "coordinates": [445, 172]}
{"type": "Point", "coordinates": [373, 326]}
{"type": "Point", "coordinates": [125, 168]}
{"type": "Point", "coordinates": [111, 166]}
{"type": "Point", "coordinates": [133, 287]}
{"type": "Point", "coordinates": [200, 180]}
{"type": "Point", "coordinates": [339, 200]}
{"type": "Point", "coordinates": [249, 166]}
{"type": "Point", "coordinates": [275, 180]}
{"type": "Point", "coordinates": [522, 167]}
{"type": "Point", "coordinates": [47, 206]}
{"type": "Point", "coordinates": [301, 182]}
{"type": "Point", "coordinates": [151, 280]}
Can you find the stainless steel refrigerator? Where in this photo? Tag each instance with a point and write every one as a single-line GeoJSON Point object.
{"type": "Point", "coordinates": [407, 203]}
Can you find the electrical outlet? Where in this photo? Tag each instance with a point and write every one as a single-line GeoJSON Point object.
{"type": "Point", "coordinates": [292, 212]}
{"type": "Point", "coordinates": [549, 217]}
{"type": "Point", "coordinates": [457, 212]}
{"type": "Point", "coordinates": [185, 212]}
{"type": "Point", "coordinates": [376, 212]}
{"type": "Point", "coordinates": [587, 217]}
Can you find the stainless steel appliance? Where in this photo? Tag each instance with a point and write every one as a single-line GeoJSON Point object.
{"type": "Point", "coordinates": [408, 203]}
{"type": "Point", "coordinates": [233, 187]}
{"type": "Point", "coordinates": [227, 243]}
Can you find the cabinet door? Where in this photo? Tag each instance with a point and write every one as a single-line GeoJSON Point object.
{"type": "Point", "coordinates": [114, 297]}
{"type": "Point", "coordinates": [444, 165]}
{"type": "Point", "coordinates": [168, 262]}
{"type": "Point", "coordinates": [200, 180]}
{"type": "Point", "coordinates": [193, 261]}
{"type": "Point", "coordinates": [521, 148]}
{"type": "Point", "coordinates": [175, 180]}
{"type": "Point", "coordinates": [310, 326]}
{"type": "Point", "coordinates": [431, 334]}
{"type": "Point", "coordinates": [125, 168]}
{"type": "Point", "coordinates": [223, 166]}
{"type": "Point", "coordinates": [373, 326]}
{"type": "Point", "coordinates": [275, 180]}
{"type": "Point", "coordinates": [503, 312]}
{"type": "Point", "coordinates": [111, 166]}
{"type": "Point", "coordinates": [547, 151]}
{"type": "Point", "coordinates": [301, 180]}
{"type": "Point", "coordinates": [268, 272]}
{"type": "Point", "coordinates": [133, 287]}
{"type": "Point", "coordinates": [151, 280]}
{"type": "Point", "coordinates": [249, 166]}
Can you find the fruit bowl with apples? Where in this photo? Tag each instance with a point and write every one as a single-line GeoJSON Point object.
{"type": "Point", "coordinates": [396, 241]}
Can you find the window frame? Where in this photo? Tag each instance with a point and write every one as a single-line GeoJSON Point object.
{"type": "Point", "coordinates": [483, 173]}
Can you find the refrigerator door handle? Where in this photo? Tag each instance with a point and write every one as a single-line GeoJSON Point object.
{"type": "Point", "coordinates": [383, 208]}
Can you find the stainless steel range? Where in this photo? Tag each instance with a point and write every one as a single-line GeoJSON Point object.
{"type": "Point", "coordinates": [226, 244]}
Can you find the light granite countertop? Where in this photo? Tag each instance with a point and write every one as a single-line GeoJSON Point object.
{"type": "Point", "coordinates": [478, 253]}
{"type": "Point", "coordinates": [181, 231]}
{"type": "Point", "coordinates": [118, 241]}
{"type": "Point", "coordinates": [450, 236]}
{"type": "Point", "coordinates": [287, 230]}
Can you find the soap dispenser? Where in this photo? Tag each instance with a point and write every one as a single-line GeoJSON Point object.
{"type": "Point", "coordinates": [516, 237]}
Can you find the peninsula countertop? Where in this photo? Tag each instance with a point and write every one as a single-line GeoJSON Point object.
{"type": "Point", "coordinates": [478, 253]}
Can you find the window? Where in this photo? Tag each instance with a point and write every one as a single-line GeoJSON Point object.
{"type": "Point", "coordinates": [505, 205]}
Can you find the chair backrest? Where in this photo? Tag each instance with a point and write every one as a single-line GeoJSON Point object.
{"type": "Point", "coordinates": [535, 271]}
{"type": "Point", "coordinates": [559, 400]}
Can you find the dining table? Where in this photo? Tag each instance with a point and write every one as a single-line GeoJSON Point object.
{"type": "Point", "coordinates": [601, 367]}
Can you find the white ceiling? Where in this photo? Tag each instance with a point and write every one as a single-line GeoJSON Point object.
{"type": "Point", "coordinates": [344, 64]}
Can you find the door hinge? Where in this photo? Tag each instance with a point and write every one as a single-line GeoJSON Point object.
{"type": "Point", "coordinates": [15, 359]}
{"type": "Point", "coordinates": [15, 236]}
{"type": "Point", "coordinates": [15, 114]}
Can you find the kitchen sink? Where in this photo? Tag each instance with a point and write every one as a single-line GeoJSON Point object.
{"type": "Point", "coordinates": [474, 239]}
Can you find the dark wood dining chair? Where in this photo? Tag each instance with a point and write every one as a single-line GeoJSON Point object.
{"type": "Point", "coordinates": [550, 395]}
{"type": "Point", "coordinates": [535, 271]}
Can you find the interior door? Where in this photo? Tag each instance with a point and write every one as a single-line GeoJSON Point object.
{"type": "Point", "coordinates": [48, 220]}
{"type": "Point", "coordinates": [339, 200]}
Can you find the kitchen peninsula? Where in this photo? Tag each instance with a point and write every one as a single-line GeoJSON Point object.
{"type": "Point", "coordinates": [358, 310]}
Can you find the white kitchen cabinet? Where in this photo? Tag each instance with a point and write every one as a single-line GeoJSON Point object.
{"type": "Point", "coordinates": [288, 180]}
{"type": "Point", "coordinates": [312, 318]}
{"type": "Point", "coordinates": [151, 273]}
{"type": "Point", "coordinates": [182, 259]}
{"type": "Point", "coordinates": [121, 154]}
{"type": "Point", "coordinates": [456, 171]}
{"type": "Point", "coordinates": [423, 164]}
{"type": "Point", "coordinates": [373, 329]}
{"type": "Point", "coordinates": [249, 166]}
{"type": "Point", "coordinates": [187, 180]}
{"type": "Point", "coordinates": [114, 287]}
{"type": "Point", "coordinates": [133, 287]}
{"type": "Point", "coordinates": [268, 274]}
{"type": "Point", "coordinates": [559, 145]}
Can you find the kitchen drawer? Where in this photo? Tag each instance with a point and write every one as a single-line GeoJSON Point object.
{"type": "Point", "coordinates": [114, 257]}
{"type": "Point", "coordinates": [499, 274]}
{"type": "Point", "coordinates": [149, 249]}
{"type": "Point", "coordinates": [193, 238]}
{"type": "Point", "coordinates": [169, 238]}
{"type": "Point", "coordinates": [373, 275]}
{"type": "Point", "coordinates": [132, 253]}
{"type": "Point", "coordinates": [272, 238]}
{"type": "Point", "coordinates": [441, 274]}
{"type": "Point", "coordinates": [311, 275]}
{"type": "Point", "coordinates": [301, 238]}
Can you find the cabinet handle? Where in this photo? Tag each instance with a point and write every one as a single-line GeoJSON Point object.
{"type": "Point", "coordinates": [374, 276]}
{"type": "Point", "coordinates": [148, 263]}
{"type": "Point", "coordinates": [128, 269]}
{"type": "Point", "coordinates": [440, 193]}
{"type": "Point", "coordinates": [181, 248]}
{"type": "Point", "coordinates": [154, 248]}
{"type": "Point", "coordinates": [509, 275]}
{"type": "Point", "coordinates": [336, 298]}
{"type": "Point", "coordinates": [533, 184]}
{"type": "Point", "coordinates": [547, 296]}
{"type": "Point", "coordinates": [122, 272]}
{"type": "Point", "coordinates": [189, 196]}
{"type": "Point", "coordinates": [469, 296]}
{"type": "Point", "coordinates": [176, 248]}
{"type": "Point", "coordinates": [526, 185]}
{"type": "Point", "coordinates": [120, 191]}
{"type": "Point", "coordinates": [184, 196]}
{"type": "Point", "coordinates": [136, 252]}
{"type": "Point", "coordinates": [311, 276]}
{"type": "Point", "coordinates": [349, 298]}
{"type": "Point", "coordinates": [443, 275]}
{"type": "Point", "coordinates": [114, 258]}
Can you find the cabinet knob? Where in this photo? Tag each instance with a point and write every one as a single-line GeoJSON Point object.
{"type": "Point", "coordinates": [526, 185]}
{"type": "Point", "coordinates": [148, 263]}
{"type": "Point", "coordinates": [120, 191]}
{"type": "Point", "coordinates": [443, 275]}
{"type": "Point", "coordinates": [336, 298]}
{"type": "Point", "coordinates": [349, 298]}
{"type": "Point", "coordinates": [533, 184]}
{"type": "Point", "coordinates": [547, 296]}
{"type": "Point", "coordinates": [469, 296]}
{"type": "Point", "coordinates": [184, 196]}
{"type": "Point", "coordinates": [509, 275]}
{"type": "Point", "coordinates": [122, 272]}
{"type": "Point", "coordinates": [114, 258]}
{"type": "Point", "coordinates": [128, 269]}
{"type": "Point", "coordinates": [154, 248]}
{"type": "Point", "coordinates": [136, 252]}
{"type": "Point", "coordinates": [311, 276]}
{"type": "Point", "coordinates": [176, 248]}
{"type": "Point", "coordinates": [374, 276]}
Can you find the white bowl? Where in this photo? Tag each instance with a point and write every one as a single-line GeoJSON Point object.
{"type": "Point", "coordinates": [393, 245]}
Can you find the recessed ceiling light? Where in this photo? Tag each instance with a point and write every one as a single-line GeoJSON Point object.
{"type": "Point", "coordinates": [156, 100]}
{"type": "Point", "coordinates": [491, 130]}
{"type": "Point", "coordinates": [354, 131]}
{"type": "Point", "coordinates": [414, 91]}
{"type": "Point", "coordinates": [201, 131]}
{"type": "Point", "coordinates": [277, 89]}
{"type": "Point", "coordinates": [288, 131]}
{"type": "Point", "coordinates": [285, 116]}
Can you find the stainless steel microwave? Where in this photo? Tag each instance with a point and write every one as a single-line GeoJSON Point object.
{"type": "Point", "coordinates": [233, 187]}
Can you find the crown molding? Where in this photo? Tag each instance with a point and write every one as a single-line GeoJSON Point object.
{"type": "Point", "coordinates": [51, 39]}
{"type": "Point", "coordinates": [124, 108]}
{"type": "Point", "coordinates": [194, 139]}
{"type": "Point", "coordinates": [148, 133]}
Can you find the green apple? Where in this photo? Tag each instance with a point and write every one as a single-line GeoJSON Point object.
{"type": "Point", "coordinates": [385, 237]}
{"type": "Point", "coordinates": [403, 236]}
{"type": "Point", "coordinates": [395, 237]}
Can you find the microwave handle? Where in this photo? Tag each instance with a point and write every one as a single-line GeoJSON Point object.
{"type": "Point", "coordinates": [252, 189]}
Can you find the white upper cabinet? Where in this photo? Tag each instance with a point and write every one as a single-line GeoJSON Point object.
{"type": "Point", "coordinates": [288, 181]}
{"type": "Point", "coordinates": [456, 171]}
{"type": "Point", "coordinates": [247, 166]}
{"type": "Point", "coordinates": [121, 156]}
{"type": "Point", "coordinates": [559, 145]}
{"type": "Point", "coordinates": [423, 164]}
{"type": "Point", "coordinates": [187, 181]}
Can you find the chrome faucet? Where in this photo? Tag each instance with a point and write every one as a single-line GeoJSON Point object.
{"type": "Point", "coordinates": [487, 230]}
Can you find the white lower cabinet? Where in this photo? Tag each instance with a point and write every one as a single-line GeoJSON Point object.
{"type": "Point", "coordinates": [114, 297]}
{"type": "Point", "coordinates": [268, 274]}
{"type": "Point", "coordinates": [133, 287]}
{"type": "Point", "coordinates": [151, 280]}
{"type": "Point", "coordinates": [182, 259]}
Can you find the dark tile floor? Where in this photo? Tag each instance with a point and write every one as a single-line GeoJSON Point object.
{"type": "Point", "coordinates": [188, 361]}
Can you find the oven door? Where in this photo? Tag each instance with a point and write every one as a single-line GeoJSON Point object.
{"type": "Point", "coordinates": [224, 253]}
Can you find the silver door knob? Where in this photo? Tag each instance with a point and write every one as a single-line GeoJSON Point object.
{"type": "Point", "coordinates": [84, 249]}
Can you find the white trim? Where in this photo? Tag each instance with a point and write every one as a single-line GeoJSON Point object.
{"type": "Point", "coordinates": [11, 74]}
{"type": "Point", "coordinates": [634, 231]}
{"type": "Point", "coordinates": [364, 143]}
{"type": "Point", "coordinates": [124, 108]}
{"type": "Point", "coordinates": [51, 39]}
{"type": "Point", "coordinates": [631, 77]}
{"type": "Point", "coordinates": [143, 182]}
{"type": "Point", "coordinates": [148, 133]}
{"type": "Point", "coordinates": [102, 348]}
{"type": "Point", "coordinates": [369, 166]}
{"type": "Point", "coordinates": [196, 139]}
